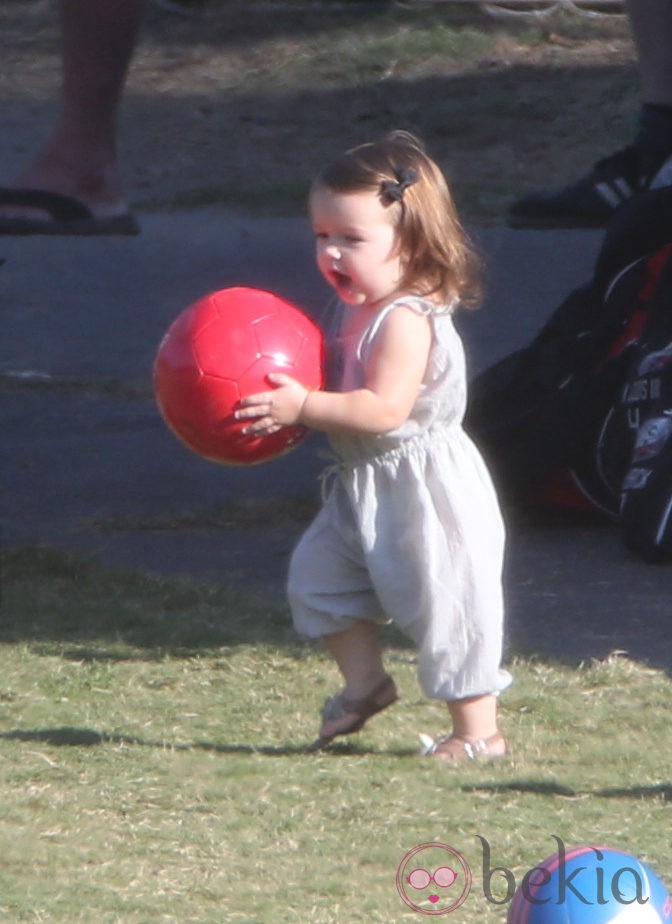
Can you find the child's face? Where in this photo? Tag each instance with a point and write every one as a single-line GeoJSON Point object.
{"type": "Point", "coordinates": [356, 246]}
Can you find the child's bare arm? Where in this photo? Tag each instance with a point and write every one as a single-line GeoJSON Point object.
{"type": "Point", "coordinates": [394, 376]}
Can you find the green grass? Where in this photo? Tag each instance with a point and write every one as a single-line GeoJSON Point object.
{"type": "Point", "coordinates": [395, 44]}
{"type": "Point", "coordinates": [501, 103]}
{"type": "Point", "coordinates": [154, 762]}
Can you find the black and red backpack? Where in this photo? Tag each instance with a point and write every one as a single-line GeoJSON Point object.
{"type": "Point", "coordinates": [582, 416]}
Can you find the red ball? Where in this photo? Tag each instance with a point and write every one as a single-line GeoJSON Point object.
{"type": "Point", "coordinates": [221, 349]}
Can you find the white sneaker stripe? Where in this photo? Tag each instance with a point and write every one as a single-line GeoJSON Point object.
{"type": "Point", "coordinates": [662, 525]}
{"type": "Point", "coordinates": [664, 175]}
{"type": "Point", "coordinates": [623, 187]}
{"type": "Point", "coordinates": [609, 195]}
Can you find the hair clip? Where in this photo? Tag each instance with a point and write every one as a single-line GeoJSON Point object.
{"type": "Point", "coordinates": [393, 190]}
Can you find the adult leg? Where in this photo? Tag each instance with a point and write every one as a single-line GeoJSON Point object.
{"type": "Point", "coordinates": [651, 22]}
{"type": "Point", "coordinates": [645, 163]}
{"type": "Point", "coordinates": [79, 157]}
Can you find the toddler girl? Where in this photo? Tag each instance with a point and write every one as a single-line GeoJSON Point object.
{"type": "Point", "coordinates": [410, 530]}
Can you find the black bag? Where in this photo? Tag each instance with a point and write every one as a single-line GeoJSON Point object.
{"type": "Point", "coordinates": [645, 408]}
{"type": "Point", "coordinates": [570, 407]}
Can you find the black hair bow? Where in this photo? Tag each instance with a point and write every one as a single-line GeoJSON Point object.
{"type": "Point", "coordinates": [393, 190]}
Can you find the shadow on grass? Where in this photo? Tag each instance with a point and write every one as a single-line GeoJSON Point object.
{"type": "Point", "coordinates": [575, 594]}
{"type": "Point", "coordinates": [66, 604]}
{"type": "Point", "coordinates": [493, 132]}
{"type": "Point", "coordinates": [75, 608]}
{"type": "Point", "coordinates": [232, 24]}
{"type": "Point", "coordinates": [67, 736]}
{"type": "Point", "coordinates": [661, 791]}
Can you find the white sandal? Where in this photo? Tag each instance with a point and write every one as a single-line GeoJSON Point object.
{"type": "Point", "coordinates": [459, 747]}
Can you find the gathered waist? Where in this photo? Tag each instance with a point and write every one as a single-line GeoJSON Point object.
{"type": "Point", "coordinates": [348, 460]}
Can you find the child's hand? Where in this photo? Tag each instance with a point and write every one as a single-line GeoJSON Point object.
{"type": "Point", "coordinates": [274, 409]}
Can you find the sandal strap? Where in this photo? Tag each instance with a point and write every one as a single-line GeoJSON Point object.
{"type": "Point", "coordinates": [362, 709]}
{"type": "Point", "coordinates": [335, 707]}
{"type": "Point", "coordinates": [456, 747]}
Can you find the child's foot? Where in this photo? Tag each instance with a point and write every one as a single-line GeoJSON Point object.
{"type": "Point", "coordinates": [344, 716]}
{"type": "Point", "coordinates": [460, 747]}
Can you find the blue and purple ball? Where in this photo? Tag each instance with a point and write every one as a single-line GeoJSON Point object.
{"type": "Point", "coordinates": [591, 885]}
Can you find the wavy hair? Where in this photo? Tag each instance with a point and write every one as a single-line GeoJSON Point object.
{"type": "Point", "coordinates": [439, 259]}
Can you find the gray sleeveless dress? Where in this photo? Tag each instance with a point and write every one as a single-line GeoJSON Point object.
{"type": "Point", "coordinates": [410, 530]}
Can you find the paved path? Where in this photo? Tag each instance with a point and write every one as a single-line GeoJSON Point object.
{"type": "Point", "coordinates": [89, 465]}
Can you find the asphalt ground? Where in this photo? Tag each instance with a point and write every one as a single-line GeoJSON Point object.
{"type": "Point", "coordinates": [88, 464]}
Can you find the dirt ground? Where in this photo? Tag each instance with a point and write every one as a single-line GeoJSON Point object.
{"type": "Point", "coordinates": [242, 102]}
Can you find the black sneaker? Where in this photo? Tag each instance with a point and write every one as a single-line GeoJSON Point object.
{"type": "Point", "coordinates": [592, 201]}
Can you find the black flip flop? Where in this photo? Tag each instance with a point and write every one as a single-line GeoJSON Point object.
{"type": "Point", "coordinates": [65, 216]}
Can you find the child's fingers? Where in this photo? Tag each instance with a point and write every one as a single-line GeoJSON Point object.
{"type": "Point", "coordinates": [257, 405]}
{"type": "Point", "coordinates": [276, 408]}
{"type": "Point", "coordinates": [280, 378]}
{"type": "Point", "coordinates": [261, 409]}
{"type": "Point", "coordinates": [262, 397]}
{"type": "Point", "coordinates": [264, 427]}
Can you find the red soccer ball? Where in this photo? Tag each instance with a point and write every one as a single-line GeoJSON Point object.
{"type": "Point", "coordinates": [221, 349]}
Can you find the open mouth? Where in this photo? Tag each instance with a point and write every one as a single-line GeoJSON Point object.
{"type": "Point", "coordinates": [340, 280]}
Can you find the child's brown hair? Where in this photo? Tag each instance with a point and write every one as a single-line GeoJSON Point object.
{"type": "Point", "coordinates": [440, 261]}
